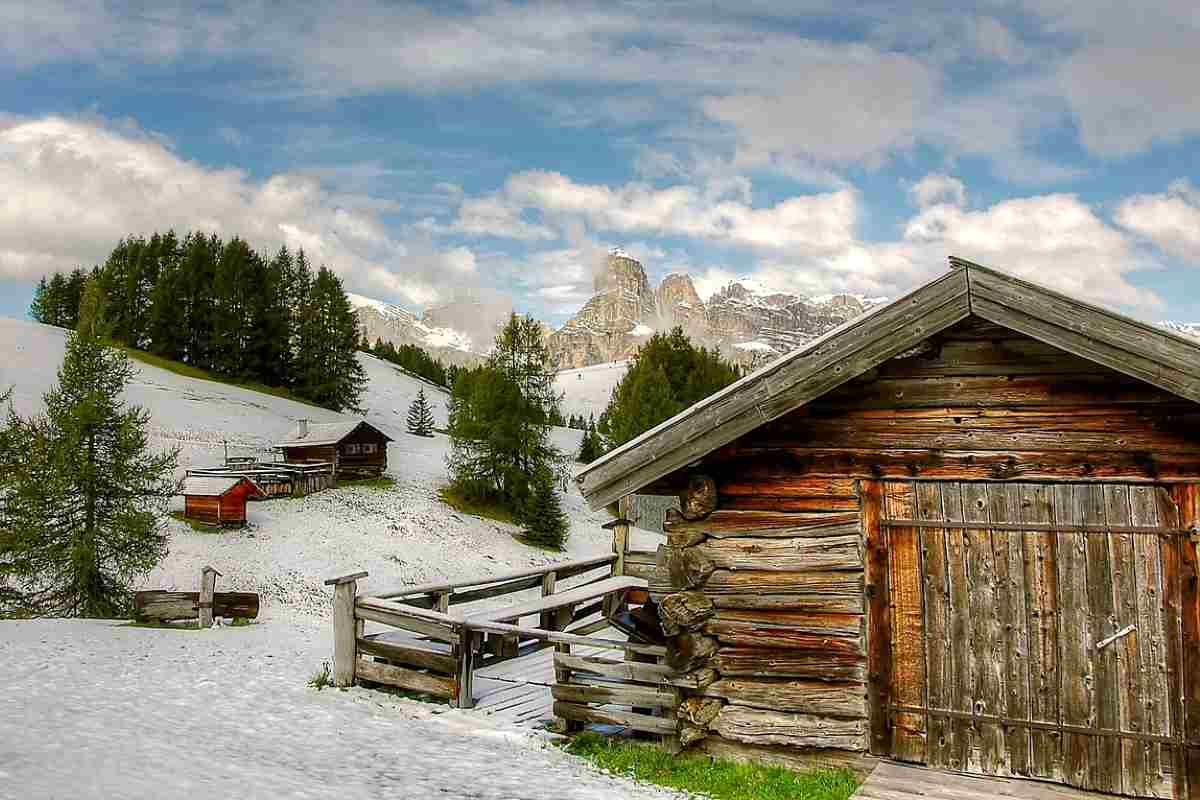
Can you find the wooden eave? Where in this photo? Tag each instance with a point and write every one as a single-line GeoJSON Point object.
{"type": "Point", "coordinates": [1156, 356]}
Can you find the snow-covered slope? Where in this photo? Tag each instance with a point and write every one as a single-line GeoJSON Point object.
{"type": "Point", "coordinates": [401, 534]}
{"type": "Point", "coordinates": [198, 415]}
{"type": "Point", "coordinates": [587, 390]}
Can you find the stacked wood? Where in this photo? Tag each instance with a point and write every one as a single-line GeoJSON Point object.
{"type": "Point", "coordinates": [684, 611]}
{"type": "Point", "coordinates": [760, 726]}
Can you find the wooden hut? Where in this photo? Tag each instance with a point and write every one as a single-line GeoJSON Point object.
{"type": "Point", "coordinates": [958, 531]}
{"type": "Point", "coordinates": [356, 448]}
{"type": "Point", "coordinates": [217, 500]}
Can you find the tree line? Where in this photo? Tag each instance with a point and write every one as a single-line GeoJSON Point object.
{"type": "Point", "coordinates": [221, 306]}
{"type": "Point", "coordinates": [415, 360]}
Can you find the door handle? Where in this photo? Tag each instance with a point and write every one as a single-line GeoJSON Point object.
{"type": "Point", "coordinates": [1121, 634]}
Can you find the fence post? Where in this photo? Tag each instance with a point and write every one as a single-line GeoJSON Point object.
{"type": "Point", "coordinates": [620, 546]}
{"type": "Point", "coordinates": [208, 588]}
{"type": "Point", "coordinates": [548, 584]}
{"type": "Point", "coordinates": [468, 641]}
{"type": "Point", "coordinates": [345, 627]}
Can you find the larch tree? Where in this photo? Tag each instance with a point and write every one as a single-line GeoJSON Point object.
{"type": "Point", "coordinates": [84, 492]}
{"type": "Point", "coordinates": [420, 416]}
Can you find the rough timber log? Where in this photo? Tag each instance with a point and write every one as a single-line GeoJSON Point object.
{"type": "Point", "coordinates": [850, 624]}
{"type": "Point", "coordinates": [802, 760]}
{"type": "Point", "coordinates": [837, 584]}
{"type": "Point", "coordinates": [799, 696]}
{"type": "Point", "coordinates": [770, 524]}
{"type": "Point", "coordinates": [758, 726]}
{"type": "Point", "coordinates": [742, 634]}
{"type": "Point", "coordinates": [699, 499]}
{"type": "Point", "coordinates": [687, 610]}
{"type": "Point", "coordinates": [700, 711]}
{"type": "Point", "coordinates": [800, 554]}
{"type": "Point", "coordinates": [684, 568]}
{"type": "Point", "coordinates": [690, 651]}
{"type": "Point", "coordinates": [819, 603]}
{"type": "Point", "coordinates": [759, 662]}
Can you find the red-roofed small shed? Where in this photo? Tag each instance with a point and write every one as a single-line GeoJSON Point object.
{"type": "Point", "coordinates": [218, 500]}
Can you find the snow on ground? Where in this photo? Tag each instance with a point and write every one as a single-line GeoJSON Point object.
{"type": "Point", "coordinates": [96, 709]}
{"type": "Point", "coordinates": [587, 390]}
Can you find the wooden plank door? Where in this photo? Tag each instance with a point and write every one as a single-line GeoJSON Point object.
{"type": "Point", "coordinates": [1048, 631]}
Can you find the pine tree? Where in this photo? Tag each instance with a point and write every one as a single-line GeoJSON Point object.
{"type": "Point", "coordinates": [667, 375]}
{"type": "Point", "coordinates": [591, 447]}
{"type": "Point", "coordinates": [81, 518]}
{"type": "Point", "coordinates": [39, 309]}
{"type": "Point", "coordinates": [328, 371]}
{"type": "Point", "coordinates": [420, 416]}
{"type": "Point", "coordinates": [545, 522]}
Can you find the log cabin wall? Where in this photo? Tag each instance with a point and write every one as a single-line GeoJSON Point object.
{"type": "Point", "coordinates": [363, 453]}
{"type": "Point", "coordinates": [764, 592]}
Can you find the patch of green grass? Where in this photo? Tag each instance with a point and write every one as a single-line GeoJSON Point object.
{"type": "Point", "coordinates": [188, 371]}
{"type": "Point", "coordinates": [712, 777]}
{"type": "Point", "coordinates": [322, 677]}
{"type": "Point", "coordinates": [182, 625]}
{"type": "Point", "coordinates": [241, 622]}
{"type": "Point", "coordinates": [368, 483]}
{"type": "Point", "coordinates": [489, 510]}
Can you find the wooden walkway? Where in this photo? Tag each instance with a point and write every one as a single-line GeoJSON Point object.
{"type": "Point", "coordinates": [903, 782]}
{"type": "Point", "coordinates": [518, 691]}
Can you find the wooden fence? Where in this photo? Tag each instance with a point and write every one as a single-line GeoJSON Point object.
{"type": "Point", "coordinates": [202, 606]}
{"type": "Point", "coordinates": [433, 646]}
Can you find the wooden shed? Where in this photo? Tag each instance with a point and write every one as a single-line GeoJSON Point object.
{"type": "Point", "coordinates": [356, 448]}
{"type": "Point", "coordinates": [217, 500]}
{"type": "Point", "coordinates": [958, 531]}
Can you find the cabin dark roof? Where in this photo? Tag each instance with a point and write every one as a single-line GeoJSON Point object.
{"type": "Point", "coordinates": [1160, 358]}
{"type": "Point", "coordinates": [326, 433]}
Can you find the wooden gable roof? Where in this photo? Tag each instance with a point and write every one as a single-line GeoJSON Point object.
{"type": "Point", "coordinates": [326, 433]}
{"type": "Point", "coordinates": [1160, 358]}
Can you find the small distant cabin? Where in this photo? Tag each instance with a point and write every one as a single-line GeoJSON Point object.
{"type": "Point", "coordinates": [959, 531]}
{"type": "Point", "coordinates": [217, 500]}
{"type": "Point", "coordinates": [355, 448]}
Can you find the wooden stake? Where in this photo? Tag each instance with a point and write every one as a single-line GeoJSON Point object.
{"type": "Point", "coordinates": [208, 587]}
{"type": "Point", "coordinates": [345, 627]}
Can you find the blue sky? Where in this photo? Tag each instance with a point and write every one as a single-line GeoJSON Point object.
{"type": "Point", "coordinates": [423, 151]}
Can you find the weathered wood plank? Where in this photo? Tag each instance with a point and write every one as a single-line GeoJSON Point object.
{"type": "Point", "coordinates": [769, 480]}
{"type": "Point", "coordinates": [845, 604]}
{"type": "Point", "coordinates": [769, 524]}
{"type": "Point", "coordinates": [345, 629]}
{"type": "Point", "coordinates": [801, 621]}
{"type": "Point", "coordinates": [757, 662]}
{"type": "Point", "coordinates": [655, 674]}
{"type": "Point", "coordinates": [1150, 661]}
{"type": "Point", "coordinates": [1130, 685]}
{"type": "Point", "coordinates": [908, 625]}
{"type": "Point", "coordinates": [1041, 605]}
{"type": "Point", "coordinates": [973, 463]}
{"type": "Point", "coordinates": [731, 582]}
{"type": "Point", "coordinates": [419, 655]}
{"type": "Point", "coordinates": [765, 502]}
{"type": "Point", "coordinates": [616, 694]}
{"type": "Point", "coordinates": [376, 672]}
{"type": "Point", "coordinates": [1076, 675]}
{"type": "Point", "coordinates": [1187, 500]}
{"type": "Point", "coordinates": [799, 554]}
{"type": "Point", "coordinates": [759, 726]}
{"type": "Point", "coordinates": [987, 755]}
{"type": "Point", "coordinates": [750, 634]}
{"type": "Point", "coordinates": [626, 719]}
{"type": "Point", "coordinates": [1106, 769]}
{"type": "Point", "coordinates": [1004, 507]}
{"type": "Point", "coordinates": [797, 696]}
{"type": "Point", "coordinates": [879, 623]}
{"type": "Point", "coordinates": [789, 757]}
{"type": "Point", "coordinates": [1173, 612]}
{"type": "Point", "coordinates": [962, 687]}
{"type": "Point", "coordinates": [1100, 387]}
{"type": "Point", "coordinates": [938, 644]}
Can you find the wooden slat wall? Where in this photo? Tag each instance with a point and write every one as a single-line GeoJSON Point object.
{"type": "Point", "coordinates": [791, 549]}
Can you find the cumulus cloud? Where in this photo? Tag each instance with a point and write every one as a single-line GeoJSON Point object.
{"type": "Point", "coordinates": [937, 188]}
{"type": "Point", "coordinates": [809, 223]}
{"type": "Point", "coordinates": [76, 186]}
{"type": "Point", "coordinates": [1170, 220]}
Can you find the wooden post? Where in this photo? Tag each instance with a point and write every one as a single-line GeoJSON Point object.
{"type": "Point", "coordinates": [345, 627]}
{"type": "Point", "coordinates": [468, 643]}
{"type": "Point", "coordinates": [208, 587]}
{"type": "Point", "coordinates": [443, 602]}
{"type": "Point", "coordinates": [620, 545]}
{"type": "Point", "coordinates": [548, 584]}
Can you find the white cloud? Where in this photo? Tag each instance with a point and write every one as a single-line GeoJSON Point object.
{"type": "Point", "coordinates": [1170, 220]}
{"type": "Point", "coordinates": [74, 187]}
{"type": "Point", "coordinates": [808, 223]}
{"type": "Point", "coordinates": [935, 188]}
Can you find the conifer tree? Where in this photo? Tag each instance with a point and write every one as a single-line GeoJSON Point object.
{"type": "Point", "coordinates": [81, 517]}
{"type": "Point", "coordinates": [328, 372]}
{"type": "Point", "coordinates": [420, 416]}
{"type": "Point", "coordinates": [545, 522]}
{"type": "Point", "coordinates": [667, 375]}
{"type": "Point", "coordinates": [591, 447]}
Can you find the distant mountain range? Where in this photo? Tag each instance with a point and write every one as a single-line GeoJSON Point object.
{"type": "Point", "coordinates": [748, 322]}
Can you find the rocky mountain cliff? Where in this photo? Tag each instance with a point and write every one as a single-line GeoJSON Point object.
{"type": "Point", "coordinates": [397, 325]}
{"type": "Point", "coordinates": [747, 322]}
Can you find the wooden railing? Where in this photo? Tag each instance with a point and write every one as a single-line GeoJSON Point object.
{"type": "Point", "coordinates": [438, 648]}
